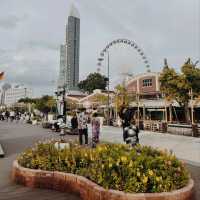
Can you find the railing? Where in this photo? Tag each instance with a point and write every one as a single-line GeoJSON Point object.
{"type": "Point", "coordinates": [180, 129]}
{"type": "Point", "coordinates": [173, 128]}
{"type": "Point", "coordinates": [155, 126]}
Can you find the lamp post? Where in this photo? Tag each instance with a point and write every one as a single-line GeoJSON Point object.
{"type": "Point", "coordinates": [63, 94]}
{"type": "Point", "coordinates": [138, 109]}
{"type": "Point", "coordinates": [108, 82]}
{"type": "Point", "coordinates": [64, 105]}
{"type": "Point", "coordinates": [192, 106]}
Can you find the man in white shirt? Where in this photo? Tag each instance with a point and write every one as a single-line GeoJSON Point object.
{"type": "Point", "coordinates": [12, 115]}
{"type": "Point", "coordinates": [82, 126]}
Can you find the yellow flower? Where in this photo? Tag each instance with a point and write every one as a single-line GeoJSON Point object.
{"type": "Point", "coordinates": [99, 149]}
{"type": "Point", "coordinates": [91, 157]}
{"type": "Point", "coordinates": [110, 165]}
{"type": "Point", "coordinates": [123, 158]}
{"type": "Point", "coordinates": [150, 172]}
{"type": "Point", "coordinates": [179, 169]}
{"type": "Point", "coordinates": [131, 164]}
{"type": "Point", "coordinates": [138, 174]}
{"type": "Point", "coordinates": [145, 179]}
{"type": "Point", "coordinates": [117, 163]}
{"type": "Point", "coordinates": [157, 179]}
{"type": "Point", "coordinates": [169, 163]}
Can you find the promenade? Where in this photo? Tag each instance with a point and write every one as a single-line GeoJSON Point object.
{"type": "Point", "coordinates": [185, 148]}
{"type": "Point", "coordinates": [16, 137]}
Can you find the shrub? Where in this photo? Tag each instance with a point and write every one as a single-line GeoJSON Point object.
{"type": "Point", "coordinates": [112, 166]}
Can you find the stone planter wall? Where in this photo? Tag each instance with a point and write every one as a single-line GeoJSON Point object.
{"type": "Point", "coordinates": [88, 190]}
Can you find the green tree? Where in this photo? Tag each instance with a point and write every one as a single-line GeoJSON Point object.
{"type": "Point", "coordinates": [46, 104]}
{"type": "Point", "coordinates": [178, 86]}
{"type": "Point", "coordinates": [27, 100]}
{"type": "Point", "coordinates": [92, 82]}
{"type": "Point", "coordinates": [122, 97]}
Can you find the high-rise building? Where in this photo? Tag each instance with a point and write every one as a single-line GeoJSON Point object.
{"type": "Point", "coordinates": [69, 52]}
{"type": "Point", "coordinates": [73, 46]}
{"type": "Point", "coordinates": [63, 66]}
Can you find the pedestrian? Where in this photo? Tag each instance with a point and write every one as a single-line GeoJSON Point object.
{"type": "Point", "coordinates": [82, 126]}
{"type": "Point", "coordinates": [17, 116]}
{"type": "Point", "coordinates": [95, 129]}
{"type": "Point", "coordinates": [56, 125]}
{"type": "Point", "coordinates": [126, 116]}
{"type": "Point", "coordinates": [12, 115]}
{"type": "Point", "coordinates": [3, 115]}
{"type": "Point", "coordinates": [74, 123]}
{"type": "Point", "coordinates": [7, 114]}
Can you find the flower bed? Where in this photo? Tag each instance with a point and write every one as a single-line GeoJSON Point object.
{"type": "Point", "coordinates": [116, 167]}
{"type": "Point", "coordinates": [87, 189]}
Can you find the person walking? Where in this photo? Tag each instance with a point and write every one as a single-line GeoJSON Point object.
{"type": "Point", "coordinates": [7, 114]}
{"type": "Point", "coordinates": [126, 116]}
{"type": "Point", "coordinates": [95, 129]}
{"type": "Point", "coordinates": [82, 126]}
{"type": "Point", "coordinates": [3, 115]}
{"type": "Point", "coordinates": [12, 115]}
{"type": "Point", "coordinates": [74, 124]}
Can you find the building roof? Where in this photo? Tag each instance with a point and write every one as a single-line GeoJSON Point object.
{"type": "Point", "coordinates": [133, 78]}
{"type": "Point", "coordinates": [95, 92]}
{"type": "Point", "coordinates": [159, 103]}
{"type": "Point", "coordinates": [76, 93]}
{"type": "Point", "coordinates": [74, 12]}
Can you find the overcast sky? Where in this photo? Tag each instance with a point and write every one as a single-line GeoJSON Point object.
{"type": "Point", "coordinates": [31, 32]}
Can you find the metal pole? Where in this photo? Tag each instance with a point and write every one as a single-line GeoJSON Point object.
{"type": "Point", "coordinates": [138, 111]}
{"type": "Point", "coordinates": [108, 119]}
{"type": "Point", "coordinates": [144, 113]}
{"type": "Point", "coordinates": [64, 105]}
{"type": "Point", "coordinates": [192, 107]}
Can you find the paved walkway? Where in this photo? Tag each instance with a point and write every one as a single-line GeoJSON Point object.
{"type": "Point", "coordinates": [185, 148]}
{"type": "Point", "coordinates": [14, 139]}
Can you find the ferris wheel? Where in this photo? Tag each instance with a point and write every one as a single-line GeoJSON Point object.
{"type": "Point", "coordinates": [126, 42]}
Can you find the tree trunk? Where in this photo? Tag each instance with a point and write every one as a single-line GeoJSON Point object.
{"type": "Point", "coordinates": [187, 113]}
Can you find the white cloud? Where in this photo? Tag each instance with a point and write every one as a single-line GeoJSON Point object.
{"type": "Point", "coordinates": [32, 31]}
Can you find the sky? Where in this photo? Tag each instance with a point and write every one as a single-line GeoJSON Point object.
{"type": "Point", "coordinates": [31, 32]}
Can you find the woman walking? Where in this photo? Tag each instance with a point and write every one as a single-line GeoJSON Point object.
{"type": "Point", "coordinates": [95, 129]}
{"type": "Point", "coordinates": [74, 124]}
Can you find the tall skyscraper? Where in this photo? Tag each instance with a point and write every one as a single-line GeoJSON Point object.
{"type": "Point", "coordinates": [69, 52]}
{"type": "Point", "coordinates": [63, 66]}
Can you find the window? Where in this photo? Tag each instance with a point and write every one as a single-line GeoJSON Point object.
{"type": "Point", "coordinates": [147, 82]}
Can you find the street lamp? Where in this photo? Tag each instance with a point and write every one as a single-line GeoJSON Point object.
{"type": "Point", "coordinates": [107, 80]}
{"type": "Point", "coordinates": [63, 93]}
{"type": "Point", "coordinates": [192, 106]}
